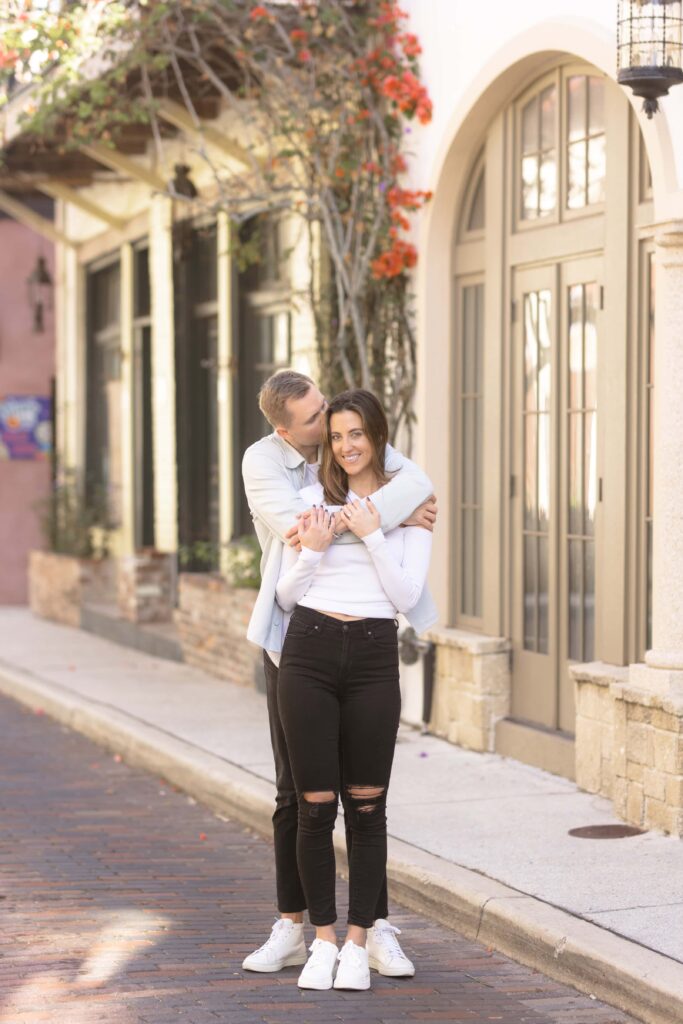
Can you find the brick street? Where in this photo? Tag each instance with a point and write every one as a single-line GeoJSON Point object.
{"type": "Point", "coordinates": [122, 900]}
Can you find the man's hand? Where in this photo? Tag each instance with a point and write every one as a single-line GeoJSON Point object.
{"type": "Point", "coordinates": [424, 515]}
{"type": "Point", "coordinates": [317, 530]}
{"type": "Point", "coordinates": [361, 519]}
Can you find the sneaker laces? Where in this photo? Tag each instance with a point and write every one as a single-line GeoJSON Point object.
{"type": "Point", "coordinates": [350, 949]}
{"type": "Point", "coordinates": [387, 936]}
{"type": "Point", "coordinates": [274, 937]}
{"type": "Point", "coordinates": [316, 949]}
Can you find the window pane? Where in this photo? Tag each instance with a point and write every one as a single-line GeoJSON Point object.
{"type": "Point", "coordinates": [477, 215]}
{"type": "Point", "coordinates": [543, 595]}
{"type": "Point", "coordinates": [588, 652]}
{"type": "Point", "coordinates": [576, 175]}
{"type": "Point", "coordinates": [596, 170]}
{"type": "Point", "coordinates": [591, 473]}
{"type": "Point", "coordinates": [548, 109]}
{"type": "Point", "coordinates": [531, 350]}
{"type": "Point", "coordinates": [576, 107]}
{"type": "Point", "coordinates": [530, 127]}
{"type": "Point", "coordinates": [575, 346]}
{"type": "Point", "coordinates": [530, 187]}
{"type": "Point", "coordinates": [596, 105]}
{"type": "Point", "coordinates": [575, 474]}
{"type": "Point", "coordinates": [538, 160]}
{"type": "Point", "coordinates": [543, 470]}
{"type": "Point", "coordinates": [530, 607]}
{"type": "Point", "coordinates": [548, 190]}
{"type": "Point", "coordinates": [544, 366]}
{"type": "Point", "coordinates": [575, 600]}
{"type": "Point", "coordinates": [530, 478]}
{"type": "Point", "coordinates": [590, 346]}
{"type": "Point", "coordinates": [470, 468]}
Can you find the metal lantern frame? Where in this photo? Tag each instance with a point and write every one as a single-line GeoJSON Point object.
{"type": "Point", "coordinates": [650, 48]}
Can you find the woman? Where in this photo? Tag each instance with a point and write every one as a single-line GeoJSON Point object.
{"type": "Point", "coordinates": [339, 681]}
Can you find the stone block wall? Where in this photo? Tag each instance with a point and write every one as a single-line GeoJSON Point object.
{"type": "Point", "coordinates": [594, 744]}
{"type": "Point", "coordinates": [60, 584]}
{"type": "Point", "coordinates": [648, 760]}
{"type": "Point", "coordinates": [471, 687]}
{"type": "Point", "coordinates": [146, 586]}
{"type": "Point", "coordinates": [212, 619]}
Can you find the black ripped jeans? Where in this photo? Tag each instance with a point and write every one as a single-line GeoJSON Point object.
{"type": "Point", "coordinates": [339, 700]}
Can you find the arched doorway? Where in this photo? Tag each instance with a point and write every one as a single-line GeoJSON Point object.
{"type": "Point", "coordinates": [552, 344]}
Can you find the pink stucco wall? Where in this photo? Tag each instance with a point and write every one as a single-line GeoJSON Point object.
{"type": "Point", "coordinates": [26, 368]}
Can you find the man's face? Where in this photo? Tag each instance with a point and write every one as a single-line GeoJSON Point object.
{"type": "Point", "coordinates": [305, 429]}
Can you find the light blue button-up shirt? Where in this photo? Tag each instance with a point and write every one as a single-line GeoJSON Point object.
{"type": "Point", "coordinates": [273, 473]}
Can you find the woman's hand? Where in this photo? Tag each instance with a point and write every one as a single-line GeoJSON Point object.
{"type": "Point", "coordinates": [361, 519]}
{"type": "Point", "coordinates": [316, 531]}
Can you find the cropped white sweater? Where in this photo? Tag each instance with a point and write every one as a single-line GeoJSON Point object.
{"type": "Point", "coordinates": [383, 575]}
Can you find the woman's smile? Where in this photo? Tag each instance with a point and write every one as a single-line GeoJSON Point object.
{"type": "Point", "coordinates": [351, 446]}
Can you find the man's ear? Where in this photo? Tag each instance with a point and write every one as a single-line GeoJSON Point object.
{"type": "Point", "coordinates": [282, 432]}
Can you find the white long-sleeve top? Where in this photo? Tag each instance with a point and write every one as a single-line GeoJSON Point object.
{"type": "Point", "coordinates": [383, 575]}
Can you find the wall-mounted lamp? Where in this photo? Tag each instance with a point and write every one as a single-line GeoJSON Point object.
{"type": "Point", "coordinates": [650, 48]}
{"type": "Point", "coordinates": [40, 286]}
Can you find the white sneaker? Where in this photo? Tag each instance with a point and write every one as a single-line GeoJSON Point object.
{"type": "Point", "coordinates": [284, 948]}
{"type": "Point", "coordinates": [353, 971]}
{"type": "Point", "coordinates": [319, 969]}
{"type": "Point", "coordinates": [384, 951]}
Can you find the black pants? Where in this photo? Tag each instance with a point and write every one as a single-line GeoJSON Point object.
{"type": "Point", "coordinates": [289, 890]}
{"type": "Point", "coordinates": [339, 703]}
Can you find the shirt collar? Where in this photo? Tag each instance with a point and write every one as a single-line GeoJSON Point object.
{"type": "Point", "coordinates": [293, 458]}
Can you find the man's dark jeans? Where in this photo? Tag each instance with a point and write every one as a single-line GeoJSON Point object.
{"type": "Point", "coordinates": [290, 893]}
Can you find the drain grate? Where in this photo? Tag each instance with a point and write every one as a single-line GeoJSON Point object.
{"type": "Point", "coordinates": [606, 831]}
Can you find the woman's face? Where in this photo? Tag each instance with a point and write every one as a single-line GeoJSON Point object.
{"type": "Point", "coordinates": [351, 447]}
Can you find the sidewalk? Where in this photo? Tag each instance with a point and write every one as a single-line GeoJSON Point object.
{"type": "Point", "coordinates": [477, 841]}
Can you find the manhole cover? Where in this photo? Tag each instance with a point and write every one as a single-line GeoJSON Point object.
{"type": "Point", "coordinates": [605, 831]}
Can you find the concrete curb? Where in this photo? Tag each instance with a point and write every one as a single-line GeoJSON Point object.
{"type": "Point", "coordinates": [635, 979]}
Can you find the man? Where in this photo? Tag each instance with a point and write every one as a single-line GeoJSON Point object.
{"type": "Point", "coordinates": [274, 471]}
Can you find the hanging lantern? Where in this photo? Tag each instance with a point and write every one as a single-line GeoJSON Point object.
{"type": "Point", "coordinates": [39, 293]}
{"type": "Point", "coordinates": [650, 48]}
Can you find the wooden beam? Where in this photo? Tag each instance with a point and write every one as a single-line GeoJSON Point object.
{"type": "Point", "coordinates": [180, 117]}
{"type": "Point", "coordinates": [32, 220]}
{"type": "Point", "coordinates": [118, 162]}
{"type": "Point", "coordinates": [71, 195]}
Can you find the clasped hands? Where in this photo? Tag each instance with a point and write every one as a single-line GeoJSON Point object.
{"type": "Point", "coordinates": [315, 528]}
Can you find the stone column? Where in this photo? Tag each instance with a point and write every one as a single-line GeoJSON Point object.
{"type": "Point", "coordinates": [648, 710]}
{"type": "Point", "coordinates": [664, 663]}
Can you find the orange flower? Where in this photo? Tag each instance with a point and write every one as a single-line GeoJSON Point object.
{"type": "Point", "coordinates": [258, 12]}
{"type": "Point", "coordinates": [304, 55]}
{"type": "Point", "coordinates": [298, 35]}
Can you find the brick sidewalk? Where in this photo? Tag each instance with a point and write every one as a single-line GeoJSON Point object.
{"type": "Point", "coordinates": [123, 901]}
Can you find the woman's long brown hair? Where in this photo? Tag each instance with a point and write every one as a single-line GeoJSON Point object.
{"type": "Point", "coordinates": [334, 479]}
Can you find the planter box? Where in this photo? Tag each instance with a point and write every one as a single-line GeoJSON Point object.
{"type": "Point", "coordinates": [59, 585]}
{"type": "Point", "coordinates": [212, 618]}
{"type": "Point", "coordinates": [145, 586]}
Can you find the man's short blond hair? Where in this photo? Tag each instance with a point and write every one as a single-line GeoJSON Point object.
{"type": "Point", "coordinates": [276, 392]}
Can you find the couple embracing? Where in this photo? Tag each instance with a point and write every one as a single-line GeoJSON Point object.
{"type": "Point", "coordinates": [344, 522]}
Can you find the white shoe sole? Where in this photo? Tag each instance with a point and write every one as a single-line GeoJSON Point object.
{"type": "Point", "coordinates": [296, 960]}
{"type": "Point", "coordinates": [314, 986]}
{"type": "Point", "coordinates": [389, 972]}
{"type": "Point", "coordinates": [353, 988]}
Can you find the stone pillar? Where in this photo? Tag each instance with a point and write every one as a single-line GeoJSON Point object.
{"type": "Point", "coordinates": [648, 713]}
{"type": "Point", "coordinates": [663, 669]}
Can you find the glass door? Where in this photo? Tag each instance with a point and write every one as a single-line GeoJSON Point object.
{"type": "Point", "coordinates": [554, 485]}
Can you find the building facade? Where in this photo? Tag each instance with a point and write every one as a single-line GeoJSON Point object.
{"type": "Point", "coordinates": [550, 418]}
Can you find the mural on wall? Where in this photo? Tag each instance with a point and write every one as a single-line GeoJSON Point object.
{"type": "Point", "coordinates": [25, 427]}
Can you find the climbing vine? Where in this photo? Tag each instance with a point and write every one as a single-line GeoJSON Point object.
{"type": "Point", "coordinates": [321, 99]}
